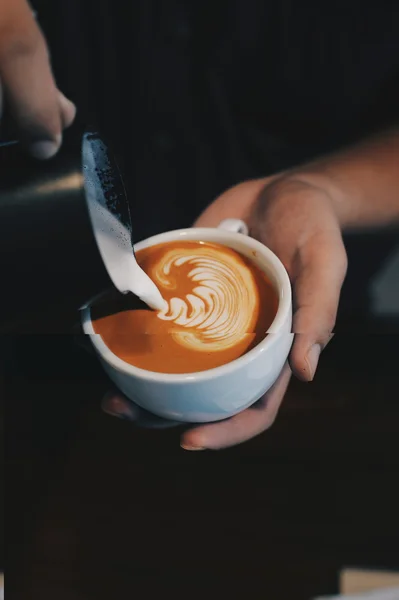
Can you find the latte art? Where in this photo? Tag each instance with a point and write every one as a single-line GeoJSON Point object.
{"type": "Point", "coordinates": [221, 307]}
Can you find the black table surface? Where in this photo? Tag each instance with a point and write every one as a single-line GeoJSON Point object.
{"type": "Point", "coordinates": [99, 509]}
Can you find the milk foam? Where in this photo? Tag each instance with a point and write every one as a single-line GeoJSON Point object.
{"type": "Point", "coordinates": [219, 311]}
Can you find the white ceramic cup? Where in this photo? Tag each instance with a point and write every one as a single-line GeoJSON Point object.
{"type": "Point", "coordinates": [221, 392]}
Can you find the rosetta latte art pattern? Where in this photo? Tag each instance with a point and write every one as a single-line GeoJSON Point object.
{"type": "Point", "coordinates": [221, 307]}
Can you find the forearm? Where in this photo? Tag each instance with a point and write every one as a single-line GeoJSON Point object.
{"type": "Point", "coordinates": [362, 181]}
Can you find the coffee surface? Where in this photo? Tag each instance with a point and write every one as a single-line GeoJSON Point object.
{"type": "Point", "coordinates": [219, 306]}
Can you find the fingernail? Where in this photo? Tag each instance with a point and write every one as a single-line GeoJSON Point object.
{"type": "Point", "coordinates": [45, 148]}
{"type": "Point", "coordinates": [312, 359]}
{"type": "Point", "coordinates": [117, 408]}
{"type": "Point", "coordinates": [191, 448]}
{"type": "Point", "coordinates": [66, 103]}
{"type": "Point", "coordinates": [68, 110]}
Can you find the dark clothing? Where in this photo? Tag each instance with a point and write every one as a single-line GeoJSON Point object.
{"type": "Point", "coordinates": [198, 96]}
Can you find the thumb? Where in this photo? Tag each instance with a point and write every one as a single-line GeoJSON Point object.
{"type": "Point", "coordinates": [25, 71]}
{"type": "Point", "coordinates": [317, 286]}
{"type": "Point", "coordinates": [235, 203]}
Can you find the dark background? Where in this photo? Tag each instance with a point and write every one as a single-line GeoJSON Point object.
{"type": "Point", "coordinates": [196, 97]}
{"type": "Point", "coordinates": [97, 509]}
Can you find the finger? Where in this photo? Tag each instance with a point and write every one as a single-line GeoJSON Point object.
{"type": "Point", "coordinates": [116, 405]}
{"type": "Point", "coordinates": [321, 272]}
{"type": "Point", "coordinates": [29, 84]}
{"type": "Point", "coordinates": [243, 426]}
{"type": "Point", "coordinates": [68, 110]}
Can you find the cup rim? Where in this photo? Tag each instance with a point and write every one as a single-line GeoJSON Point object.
{"type": "Point", "coordinates": [275, 330]}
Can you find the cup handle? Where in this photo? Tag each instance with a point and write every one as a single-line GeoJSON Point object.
{"type": "Point", "coordinates": [234, 225]}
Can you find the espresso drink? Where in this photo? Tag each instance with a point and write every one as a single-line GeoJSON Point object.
{"type": "Point", "coordinates": [219, 306]}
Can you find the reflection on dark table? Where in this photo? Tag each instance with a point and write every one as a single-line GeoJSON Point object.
{"type": "Point", "coordinates": [102, 510]}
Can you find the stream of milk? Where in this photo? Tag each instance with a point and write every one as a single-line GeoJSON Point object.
{"type": "Point", "coordinates": [113, 238]}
